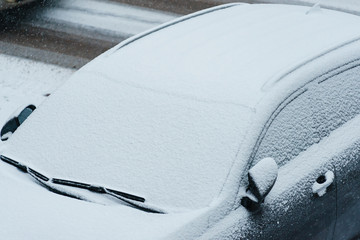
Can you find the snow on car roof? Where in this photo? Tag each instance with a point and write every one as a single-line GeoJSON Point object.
{"type": "Point", "coordinates": [229, 54]}
{"type": "Point", "coordinates": [164, 116]}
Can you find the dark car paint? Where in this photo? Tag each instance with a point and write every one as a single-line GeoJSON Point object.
{"type": "Point", "coordinates": [305, 215]}
{"type": "Point", "coordinates": [348, 191]}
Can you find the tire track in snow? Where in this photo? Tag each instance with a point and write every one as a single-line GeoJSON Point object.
{"type": "Point", "coordinates": [104, 18]}
{"type": "Point", "coordinates": [81, 29]}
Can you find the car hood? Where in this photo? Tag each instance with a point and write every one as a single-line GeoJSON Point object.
{"type": "Point", "coordinates": [30, 211]}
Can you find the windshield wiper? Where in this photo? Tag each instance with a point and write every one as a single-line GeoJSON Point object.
{"type": "Point", "coordinates": [96, 189]}
{"type": "Point", "coordinates": [133, 200]}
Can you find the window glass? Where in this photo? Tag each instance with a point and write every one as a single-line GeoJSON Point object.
{"type": "Point", "coordinates": [24, 115]}
{"type": "Point", "coordinates": [311, 116]}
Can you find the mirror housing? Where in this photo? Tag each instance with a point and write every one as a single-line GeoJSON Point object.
{"type": "Point", "coordinates": [262, 178]}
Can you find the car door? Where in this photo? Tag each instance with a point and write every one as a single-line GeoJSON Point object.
{"type": "Point", "coordinates": [303, 127]}
{"type": "Point", "coordinates": [348, 182]}
{"type": "Point", "coordinates": [300, 137]}
{"type": "Point", "coordinates": [297, 208]}
{"type": "Point", "coordinates": [346, 86]}
{"type": "Point", "coordinates": [292, 210]}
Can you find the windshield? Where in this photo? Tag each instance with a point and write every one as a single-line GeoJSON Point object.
{"type": "Point", "coordinates": [174, 151]}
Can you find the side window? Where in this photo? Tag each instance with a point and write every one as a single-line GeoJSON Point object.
{"type": "Point", "coordinates": [322, 107]}
{"type": "Point", "coordinates": [11, 126]}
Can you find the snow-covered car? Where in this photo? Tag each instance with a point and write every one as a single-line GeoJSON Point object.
{"type": "Point", "coordinates": [236, 122]}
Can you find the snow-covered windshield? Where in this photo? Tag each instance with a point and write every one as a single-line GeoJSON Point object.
{"type": "Point", "coordinates": [176, 151]}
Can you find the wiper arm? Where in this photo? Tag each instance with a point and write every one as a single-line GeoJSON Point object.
{"type": "Point", "coordinates": [133, 200]}
{"type": "Point", "coordinates": [96, 189]}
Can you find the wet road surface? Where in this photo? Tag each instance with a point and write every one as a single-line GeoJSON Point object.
{"type": "Point", "coordinates": [70, 33]}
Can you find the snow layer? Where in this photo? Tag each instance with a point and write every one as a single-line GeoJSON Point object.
{"type": "Point", "coordinates": [172, 150]}
{"type": "Point", "coordinates": [230, 54]}
{"type": "Point", "coordinates": [264, 174]}
{"type": "Point", "coordinates": [29, 211]}
{"type": "Point", "coordinates": [320, 188]}
{"type": "Point", "coordinates": [30, 77]}
{"type": "Point", "coordinates": [303, 169]}
{"type": "Point", "coordinates": [23, 81]}
{"type": "Point", "coordinates": [320, 109]}
{"type": "Point", "coordinates": [351, 6]}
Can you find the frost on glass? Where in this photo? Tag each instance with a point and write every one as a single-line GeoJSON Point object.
{"type": "Point", "coordinates": [311, 116]}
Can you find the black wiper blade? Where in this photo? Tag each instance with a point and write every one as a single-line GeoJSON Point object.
{"type": "Point", "coordinates": [125, 197]}
{"type": "Point", "coordinates": [38, 175]}
{"type": "Point", "coordinates": [24, 168]}
{"type": "Point", "coordinates": [42, 179]}
{"type": "Point", "coordinates": [46, 181]}
{"type": "Point", "coordinates": [16, 164]}
{"type": "Point", "coordinates": [97, 189]}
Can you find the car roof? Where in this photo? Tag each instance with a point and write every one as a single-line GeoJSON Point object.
{"type": "Point", "coordinates": [231, 53]}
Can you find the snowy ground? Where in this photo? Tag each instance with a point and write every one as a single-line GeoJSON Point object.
{"type": "Point", "coordinates": [29, 77]}
{"type": "Point", "coordinates": [22, 80]}
{"type": "Point", "coordinates": [101, 17]}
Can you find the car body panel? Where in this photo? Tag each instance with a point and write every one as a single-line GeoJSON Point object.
{"type": "Point", "coordinates": [348, 209]}
{"type": "Point", "coordinates": [278, 218]}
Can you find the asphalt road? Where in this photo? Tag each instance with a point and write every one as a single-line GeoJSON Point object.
{"type": "Point", "coordinates": [70, 33]}
{"type": "Point", "coordinates": [7, 5]}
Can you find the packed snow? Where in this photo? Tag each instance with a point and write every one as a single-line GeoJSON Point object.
{"type": "Point", "coordinates": [320, 188]}
{"type": "Point", "coordinates": [263, 174]}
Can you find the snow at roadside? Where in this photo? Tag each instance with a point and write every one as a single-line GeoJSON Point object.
{"type": "Point", "coordinates": [29, 77]}
{"type": "Point", "coordinates": [23, 81]}
{"type": "Point", "coordinates": [112, 18]}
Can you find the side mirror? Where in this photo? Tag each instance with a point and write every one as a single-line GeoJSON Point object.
{"type": "Point", "coordinates": [262, 178]}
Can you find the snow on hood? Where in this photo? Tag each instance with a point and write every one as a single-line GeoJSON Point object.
{"type": "Point", "coordinates": [29, 211]}
{"type": "Point", "coordinates": [172, 150]}
{"type": "Point", "coordinates": [229, 55]}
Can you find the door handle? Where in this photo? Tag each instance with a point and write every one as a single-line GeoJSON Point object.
{"type": "Point", "coordinates": [322, 183]}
